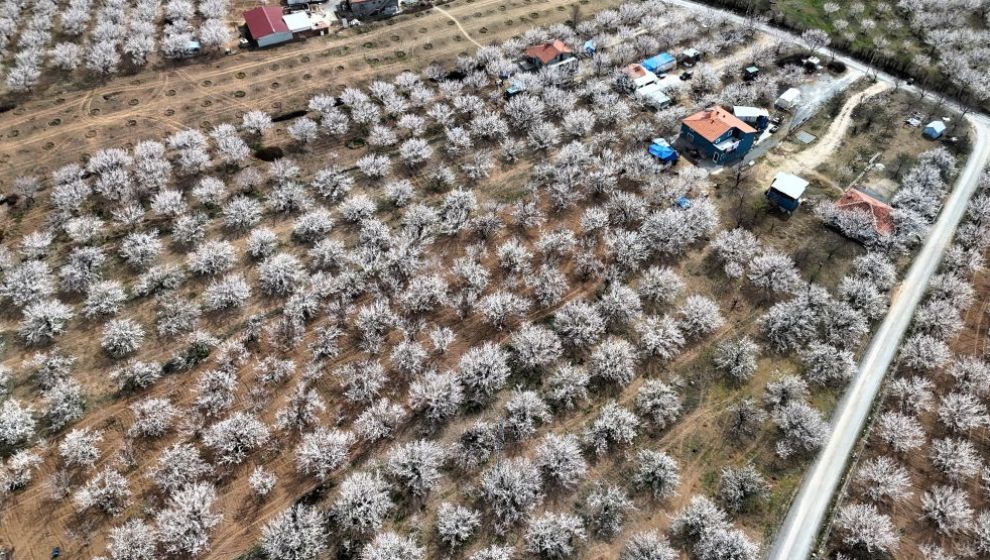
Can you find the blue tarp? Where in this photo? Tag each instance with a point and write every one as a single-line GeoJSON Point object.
{"type": "Point", "coordinates": [660, 62]}
{"type": "Point", "coordinates": [665, 154]}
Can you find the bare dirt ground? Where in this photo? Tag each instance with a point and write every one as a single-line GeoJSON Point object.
{"type": "Point", "coordinates": [282, 80]}
{"type": "Point", "coordinates": [42, 134]}
{"type": "Point", "coordinates": [826, 146]}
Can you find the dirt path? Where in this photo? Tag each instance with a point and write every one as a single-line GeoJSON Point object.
{"type": "Point", "coordinates": [58, 128]}
{"type": "Point", "coordinates": [827, 145]}
{"type": "Point", "coordinates": [743, 55]}
{"type": "Point", "coordinates": [459, 26]}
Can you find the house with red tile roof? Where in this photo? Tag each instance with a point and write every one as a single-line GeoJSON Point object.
{"type": "Point", "coordinates": [548, 54]}
{"type": "Point", "coordinates": [857, 201]}
{"type": "Point", "coordinates": [266, 27]}
{"type": "Point", "coordinates": [718, 135]}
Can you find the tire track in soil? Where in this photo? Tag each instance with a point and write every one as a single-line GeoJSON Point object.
{"type": "Point", "coordinates": [153, 105]}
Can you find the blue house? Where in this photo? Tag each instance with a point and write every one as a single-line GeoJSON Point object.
{"type": "Point", "coordinates": [718, 135]}
{"type": "Point", "coordinates": [662, 150]}
{"type": "Point", "coordinates": [663, 62]}
{"type": "Point", "coordinates": [934, 130]}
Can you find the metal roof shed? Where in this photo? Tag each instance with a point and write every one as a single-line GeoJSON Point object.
{"type": "Point", "coordinates": [934, 130]}
{"type": "Point", "coordinates": [789, 99]}
{"type": "Point", "coordinates": [749, 112]}
{"type": "Point", "coordinates": [652, 94]}
{"type": "Point", "coordinates": [297, 22]}
{"type": "Point", "coordinates": [786, 191]}
{"type": "Point", "coordinates": [660, 63]}
{"type": "Point", "coordinates": [266, 27]}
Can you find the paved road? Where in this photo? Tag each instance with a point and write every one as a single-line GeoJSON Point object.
{"type": "Point", "coordinates": [797, 537]}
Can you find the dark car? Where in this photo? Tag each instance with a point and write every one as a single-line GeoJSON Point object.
{"type": "Point", "coordinates": [686, 76]}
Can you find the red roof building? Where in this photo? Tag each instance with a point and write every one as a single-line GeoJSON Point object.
{"type": "Point", "coordinates": [853, 199]}
{"type": "Point", "coordinates": [712, 124]}
{"type": "Point", "coordinates": [548, 53]}
{"type": "Point", "coordinates": [718, 135]}
{"type": "Point", "coordinates": [266, 27]}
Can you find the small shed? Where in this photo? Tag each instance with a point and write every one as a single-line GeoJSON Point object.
{"type": "Point", "coordinates": [298, 22]}
{"type": "Point", "coordinates": [690, 57]}
{"type": "Point", "coordinates": [639, 76]}
{"type": "Point", "coordinates": [756, 117]}
{"type": "Point", "coordinates": [750, 73]}
{"type": "Point", "coordinates": [193, 48]}
{"type": "Point", "coordinates": [663, 151]}
{"type": "Point", "coordinates": [266, 27]}
{"type": "Point", "coordinates": [662, 62]}
{"type": "Point", "coordinates": [786, 191]}
{"type": "Point", "coordinates": [934, 130]}
{"type": "Point", "coordinates": [789, 99]}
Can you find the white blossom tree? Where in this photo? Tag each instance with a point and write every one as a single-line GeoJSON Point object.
{"type": "Point", "coordinates": [297, 533]}
{"type": "Point", "coordinates": [184, 525]}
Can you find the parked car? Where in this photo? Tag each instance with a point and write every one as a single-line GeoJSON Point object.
{"type": "Point", "coordinates": [686, 76]}
{"type": "Point", "coordinates": [774, 128]}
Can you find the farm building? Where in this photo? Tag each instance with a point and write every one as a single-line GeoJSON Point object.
{"type": "Point", "coordinates": [854, 200]}
{"type": "Point", "coordinates": [550, 54]}
{"type": "Point", "coordinates": [298, 22]}
{"type": "Point", "coordinates": [934, 130]}
{"type": "Point", "coordinates": [653, 95]}
{"type": "Point", "coordinates": [663, 62]}
{"type": "Point", "coordinates": [690, 57]}
{"type": "Point", "coordinates": [266, 26]}
{"type": "Point", "coordinates": [789, 99]}
{"type": "Point", "coordinates": [786, 191]}
{"type": "Point", "coordinates": [639, 76]}
{"type": "Point", "coordinates": [754, 116]}
{"type": "Point", "coordinates": [370, 8]}
{"type": "Point", "coordinates": [718, 135]}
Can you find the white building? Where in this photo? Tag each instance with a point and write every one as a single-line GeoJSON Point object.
{"type": "Point", "coordinates": [653, 95]}
{"type": "Point", "coordinates": [789, 99]}
{"type": "Point", "coordinates": [751, 115]}
{"type": "Point", "coordinates": [297, 22]}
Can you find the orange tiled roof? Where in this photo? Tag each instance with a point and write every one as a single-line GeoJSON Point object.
{"type": "Point", "coordinates": [852, 199]}
{"type": "Point", "coordinates": [548, 51]}
{"type": "Point", "coordinates": [714, 122]}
